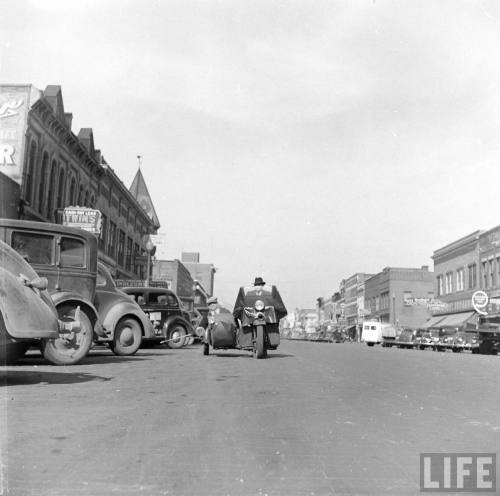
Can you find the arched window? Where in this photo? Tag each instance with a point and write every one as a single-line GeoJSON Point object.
{"type": "Point", "coordinates": [61, 189]}
{"type": "Point", "coordinates": [28, 189]}
{"type": "Point", "coordinates": [92, 201]}
{"type": "Point", "coordinates": [52, 190]}
{"type": "Point", "coordinates": [72, 191]}
{"type": "Point", "coordinates": [86, 198]}
{"type": "Point", "coordinates": [42, 183]}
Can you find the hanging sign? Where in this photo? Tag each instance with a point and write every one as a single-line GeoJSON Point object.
{"type": "Point", "coordinates": [480, 301]}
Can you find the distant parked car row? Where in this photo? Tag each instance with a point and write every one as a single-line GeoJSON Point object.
{"type": "Point", "coordinates": [435, 339]}
{"type": "Point", "coordinates": [60, 299]}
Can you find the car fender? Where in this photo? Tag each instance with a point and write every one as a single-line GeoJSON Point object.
{"type": "Point", "coordinates": [15, 299]}
{"type": "Point", "coordinates": [126, 309]}
{"type": "Point", "coordinates": [86, 306]}
{"type": "Point", "coordinates": [178, 319]}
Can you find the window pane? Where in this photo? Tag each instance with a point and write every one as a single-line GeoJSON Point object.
{"type": "Point", "coordinates": [33, 247]}
{"type": "Point", "coordinates": [72, 253]}
{"type": "Point", "coordinates": [101, 278]}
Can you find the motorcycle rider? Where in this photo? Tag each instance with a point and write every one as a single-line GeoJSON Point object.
{"type": "Point", "coordinates": [247, 296]}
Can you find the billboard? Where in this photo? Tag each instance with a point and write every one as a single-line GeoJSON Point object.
{"type": "Point", "coordinates": [14, 107]}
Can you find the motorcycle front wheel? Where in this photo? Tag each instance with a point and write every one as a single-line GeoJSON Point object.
{"type": "Point", "coordinates": [259, 349]}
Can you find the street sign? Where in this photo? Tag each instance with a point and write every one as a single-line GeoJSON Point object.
{"type": "Point", "coordinates": [85, 218]}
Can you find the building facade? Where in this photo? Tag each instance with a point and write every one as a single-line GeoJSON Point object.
{"type": "Point", "coordinates": [178, 278]}
{"type": "Point", "coordinates": [203, 273]}
{"type": "Point", "coordinates": [462, 268]}
{"type": "Point", "coordinates": [49, 168]}
{"type": "Point", "coordinates": [354, 302]}
{"type": "Point", "coordinates": [400, 296]}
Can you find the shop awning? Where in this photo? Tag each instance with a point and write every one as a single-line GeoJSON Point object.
{"type": "Point", "coordinates": [456, 319]}
{"type": "Point", "coordinates": [433, 322]}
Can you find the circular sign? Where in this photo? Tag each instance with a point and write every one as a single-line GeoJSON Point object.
{"type": "Point", "coordinates": [479, 301]}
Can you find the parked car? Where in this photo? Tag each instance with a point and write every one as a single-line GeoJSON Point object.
{"type": "Point", "coordinates": [435, 337]}
{"type": "Point", "coordinates": [67, 257]}
{"type": "Point", "coordinates": [446, 339]}
{"type": "Point", "coordinates": [171, 322]}
{"type": "Point", "coordinates": [406, 339]}
{"type": "Point", "coordinates": [423, 339]}
{"type": "Point", "coordinates": [123, 321]}
{"type": "Point", "coordinates": [466, 340]}
{"type": "Point", "coordinates": [21, 289]}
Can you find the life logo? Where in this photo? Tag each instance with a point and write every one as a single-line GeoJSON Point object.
{"type": "Point", "coordinates": [10, 108]}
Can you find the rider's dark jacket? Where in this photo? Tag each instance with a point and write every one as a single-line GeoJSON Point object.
{"type": "Point", "coordinates": [268, 294]}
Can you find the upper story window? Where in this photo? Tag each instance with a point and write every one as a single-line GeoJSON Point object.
{"type": "Point", "coordinates": [460, 280]}
{"type": "Point", "coordinates": [485, 270]}
{"type": "Point", "coordinates": [440, 288]}
{"type": "Point", "coordinates": [472, 276]}
{"type": "Point", "coordinates": [448, 283]}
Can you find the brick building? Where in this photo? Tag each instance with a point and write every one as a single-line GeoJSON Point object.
{"type": "Point", "coordinates": [467, 265]}
{"type": "Point", "coordinates": [395, 296]}
{"type": "Point", "coordinates": [203, 273]}
{"type": "Point", "coordinates": [45, 167]}
{"type": "Point", "coordinates": [178, 277]}
{"type": "Point", "coordinates": [354, 302]}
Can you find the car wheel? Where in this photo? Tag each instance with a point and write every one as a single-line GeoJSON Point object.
{"type": "Point", "coordinates": [71, 347]}
{"type": "Point", "coordinates": [127, 337]}
{"type": "Point", "coordinates": [176, 337]}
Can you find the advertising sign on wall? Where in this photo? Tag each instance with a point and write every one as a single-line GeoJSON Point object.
{"type": "Point", "coordinates": [14, 106]}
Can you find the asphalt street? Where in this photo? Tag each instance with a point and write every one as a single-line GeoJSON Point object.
{"type": "Point", "coordinates": [312, 419]}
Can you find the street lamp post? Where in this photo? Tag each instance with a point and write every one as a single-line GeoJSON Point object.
{"type": "Point", "coordinates": [149, 248]}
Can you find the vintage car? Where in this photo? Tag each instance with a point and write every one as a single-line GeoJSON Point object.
{"type": "Point", "coordinates": [21, 289]}
{"type": "Point", "coordinates": [123, 321]}
{"type": "Point", "coordinates": [446, 339]}
{"type": "Point", "coordinates": [170, 321]}
{"type": "Point", "coordinates": [423, 339]}
{"type": "Point", "coordinates": [406, 338]}
{"type": "Point", "coordinates": [67, 257]}
{"type": "Point", "coordinates": [466, 340]}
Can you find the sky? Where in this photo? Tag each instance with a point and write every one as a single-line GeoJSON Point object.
{"type": "Point", "coordinates": [301, 141]}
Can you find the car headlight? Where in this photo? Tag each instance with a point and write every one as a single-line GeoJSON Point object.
{"type": "Point", "coordinates": [259, 305]}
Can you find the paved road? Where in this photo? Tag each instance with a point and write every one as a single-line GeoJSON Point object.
{"type": "Point", "coordinates": [313, 419]}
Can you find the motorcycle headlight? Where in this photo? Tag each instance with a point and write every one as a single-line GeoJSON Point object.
{"type": "Point", "coordinates": [259, 305]}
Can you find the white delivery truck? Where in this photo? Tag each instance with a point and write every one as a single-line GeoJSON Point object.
{"type": "Point", "coordinates": [378, 333]}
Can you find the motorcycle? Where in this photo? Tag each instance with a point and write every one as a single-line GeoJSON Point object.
{"type": "Point", "coordinates": [257, 332]}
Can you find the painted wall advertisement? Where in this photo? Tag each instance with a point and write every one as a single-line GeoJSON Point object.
{"type": "Point", "coordinates": [14, 106]}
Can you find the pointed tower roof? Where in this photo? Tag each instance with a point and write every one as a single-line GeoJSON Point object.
{"type": "Point", "coordinates": [140, 192]}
